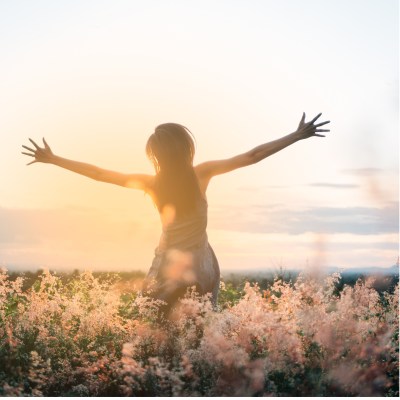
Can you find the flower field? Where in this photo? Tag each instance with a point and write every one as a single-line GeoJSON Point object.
{"type": "Point", "coordinates": [94, 337]}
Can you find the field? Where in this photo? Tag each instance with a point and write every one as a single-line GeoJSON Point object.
{"type": "Point", "coordinates": [87, 334]}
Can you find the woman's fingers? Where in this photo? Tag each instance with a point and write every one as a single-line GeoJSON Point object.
{"type": "Point", "coordinates": [37, 147]}
{"type": "Point", "coordinates": [316, 134]}
{"type": "Point", "coordinates": [45, 144]}
{"type": "Point", "coordinates": [322, 123]}
{"type": "Point", "coordinates": [28, 154]}
{"type": "Point", "coordinates": [32, 162]}
{"type": "Point", "coordinates": [28, 148]}
{"type": "Point", "coordinates": [322, 130]}
{"type": "Point", "coordinates": [315, 118]}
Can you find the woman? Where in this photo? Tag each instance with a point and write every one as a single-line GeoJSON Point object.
{"type": "Point", "coordinates": [183, 257]}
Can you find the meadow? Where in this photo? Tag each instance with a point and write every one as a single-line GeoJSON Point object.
{"type": "Point", "coordinates": [85, 334]}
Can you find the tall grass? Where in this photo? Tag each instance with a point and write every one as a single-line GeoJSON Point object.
{"type": "Point", "coordinates": [92, 337]}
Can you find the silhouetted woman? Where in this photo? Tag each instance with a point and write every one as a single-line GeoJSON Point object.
{"type": "Point", "coordinates": [183, 258]}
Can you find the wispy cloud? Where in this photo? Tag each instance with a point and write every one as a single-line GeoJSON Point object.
{"type": "Point", "coordinates": [355, 220]}
{"type": "Point", "coordinates": [334, 185]}
{"type": "Point", "coordinates": [364, 172]}
{"type": "Point", "coordinates": [330, 185]}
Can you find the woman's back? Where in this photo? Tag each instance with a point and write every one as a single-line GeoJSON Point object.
{"type": "Point", "coordinates": [186, 232]}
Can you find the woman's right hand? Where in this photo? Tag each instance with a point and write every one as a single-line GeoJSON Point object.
{"type": "Point", "coordinates": [44, 155]}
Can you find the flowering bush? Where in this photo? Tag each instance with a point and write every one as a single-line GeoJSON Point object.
{"type": "Point", "coordinates": [93, 338]}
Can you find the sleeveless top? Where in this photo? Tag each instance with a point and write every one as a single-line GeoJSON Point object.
{"type": "Point", "coordinates": [185, 233]}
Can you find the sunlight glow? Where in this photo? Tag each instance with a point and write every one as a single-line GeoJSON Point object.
{"type": "Point", "coordinates": [96, 78]}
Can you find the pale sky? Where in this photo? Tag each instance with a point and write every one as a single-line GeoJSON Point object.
{"type": "Point", "coordinates": [95, 77]}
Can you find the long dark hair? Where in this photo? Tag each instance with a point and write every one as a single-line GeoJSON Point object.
{"type": "Point", "coordinates": [171, 149]}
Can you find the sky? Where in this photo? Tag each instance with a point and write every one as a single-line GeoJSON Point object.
{"type": "Point", "coordinates": [95, 77]}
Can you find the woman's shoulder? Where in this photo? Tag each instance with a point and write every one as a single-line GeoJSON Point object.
{"type": "Point", "coordinates": [140, 181]}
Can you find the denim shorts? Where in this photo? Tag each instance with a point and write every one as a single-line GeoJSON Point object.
{"type": "Point", "coordinates": [173, 271]}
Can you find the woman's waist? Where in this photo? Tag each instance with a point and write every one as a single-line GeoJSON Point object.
{"type": "Point", "coordinates": [188, 243]}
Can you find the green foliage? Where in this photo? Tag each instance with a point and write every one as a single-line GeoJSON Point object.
{"type": "Point", "coordinates": [230, 295]}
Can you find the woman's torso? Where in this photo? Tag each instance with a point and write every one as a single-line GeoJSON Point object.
{"type": "Point", "coordinates": [184, 233]}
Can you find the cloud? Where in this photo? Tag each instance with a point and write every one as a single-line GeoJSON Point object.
{"type": "Point", "coordinates": [314, 184]}
{"type": "Point", "coordinates": [368, 172]}
{"type": "Point", "coordinates": [84, 237]}
{"type": "Point", "coordinates": [334, 185]}
{"type": "Point", "coordinates": [364, 171]}
{"type": "Point", "coordinates": [355, 220]}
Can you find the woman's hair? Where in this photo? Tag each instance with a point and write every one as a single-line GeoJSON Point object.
{"type": "Point", "coordinates": [171, 149]}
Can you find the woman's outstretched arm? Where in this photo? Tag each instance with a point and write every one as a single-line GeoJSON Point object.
{"type": "Point", "coordinates": [207, 170]}
{"type": "Point", "coordinates": [45, 155]}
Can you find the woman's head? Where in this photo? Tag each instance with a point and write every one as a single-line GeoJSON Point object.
{"type": "Point", "coordinates": [171, 149]}
{"type": "Point", "coordinates": [171, 146]}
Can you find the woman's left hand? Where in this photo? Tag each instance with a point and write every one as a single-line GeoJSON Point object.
{"type": "Point", "coordinates": [309, 129]}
